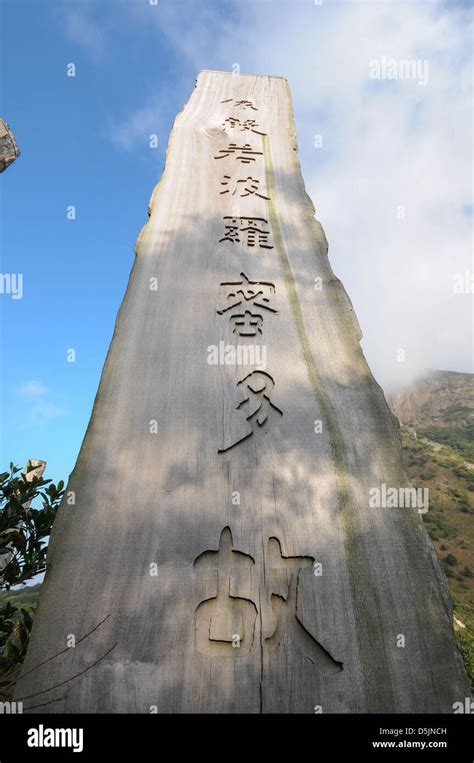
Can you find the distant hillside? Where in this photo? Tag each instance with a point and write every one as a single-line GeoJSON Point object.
{"type": "Point", "coordinates": [24, 596]}
{"type": "Point", "coordinates": [435, 397]}
{"type": "Point", "coordinates": [436, 414]}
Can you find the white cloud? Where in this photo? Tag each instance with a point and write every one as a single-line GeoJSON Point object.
{"type": "Point", "coordinates": [82, 28]}
{"type": "Point", "coordinates": [32, 389]}
{"type": "Point", "coordinates": [386, 144]}
{"type": "Point", "coordinates": [41, 409]}
{"type": "Point", "coordinates": [137, 127]}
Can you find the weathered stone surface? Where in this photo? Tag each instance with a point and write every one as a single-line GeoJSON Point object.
{"type": "Point", "coordinates": [8, 146]}
{"type": "Point", "coordinates": [216, 560]}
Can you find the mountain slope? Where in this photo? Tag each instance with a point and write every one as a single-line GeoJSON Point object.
{"type": "Point", "coordinates": [436, 414]}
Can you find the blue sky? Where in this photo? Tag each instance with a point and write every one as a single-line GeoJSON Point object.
{"type": "Point", "coordinates": [386, 145]}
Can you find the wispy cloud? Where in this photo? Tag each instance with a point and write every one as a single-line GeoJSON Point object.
{"type": "Point", "coordinates": [32, 389]}
{"type": "Point", "coordinates": [392, 177]}
{"type": "Point", "coordinates": [391, 181]}
{"type": "Point", "coordinates": [136, 127]}
{"type": "Point", "coordinates": [44, 410]}
{"type": "Point", "coordinates": [40, 408]}
{"type": "Point", "coordinates": [83, 28]}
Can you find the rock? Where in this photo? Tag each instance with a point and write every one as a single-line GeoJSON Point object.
{"type": "Point", "coordinates": [8, 146]}
{"type": "Point", "coordinates": [222, 554]}
{"type": "Point", "coordinates": [432, 395]}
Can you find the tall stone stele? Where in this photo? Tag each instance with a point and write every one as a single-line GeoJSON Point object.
{"type": "Point", "coordinates": [219, 547]}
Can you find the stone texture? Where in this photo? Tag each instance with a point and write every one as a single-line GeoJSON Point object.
{"type": "Point", "coordinates": [8, 146]}
{"type": "Point", "coordinates": [222, 555]}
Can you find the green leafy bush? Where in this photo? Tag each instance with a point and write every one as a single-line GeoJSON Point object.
{"type": "Point", "coordinates": [451, 560]}
{"type": "Point", "coordinates": [24, 530]}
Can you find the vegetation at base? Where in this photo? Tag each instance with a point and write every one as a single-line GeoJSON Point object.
{"type": "Point", "coordinates": [436, 458]}
{"type": "Point", "coordinates": [460, 440]}
{"type": "Point", "coordinates": [24, 531]}
{"type": "Point", "coordinates": [465, 636]}
{"type": "Point", "coordinates": [26, 596]}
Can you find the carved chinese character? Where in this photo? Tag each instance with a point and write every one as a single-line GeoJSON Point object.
{"type": "Point", "coordinates": [283, 589]}
{"type": "Point", "coordinates": [247, 323]}
{"type": "Point", "coordinates": [251, 124]}
{"type": "Point", "coordinates": [232, 230]}
{"type": "Point", "coordinates": [247, 187]}
{"type": "Point", "coordinates": [245, 153]}
{"type": "Point", "coordinates": [231, 122]}
{"type": "Point", "coordinates": [243, 104]}
{"type": "Point", "coordinates": [257, 387]}
{"type": "Point", "coordinates": [234, 591]}
{"type": "Point", "coordinates": [246, 105]}
{"type": "Point", "coordinates": [255, 235]}
{"type": "Point", "coordinates": [248, 125]}
{"type": "Point", "coordinates": [247, 230]}
{"type": "Point", "coordinates": [224, 624]}
{"type": "Point", "coordinates": [236, 293]}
